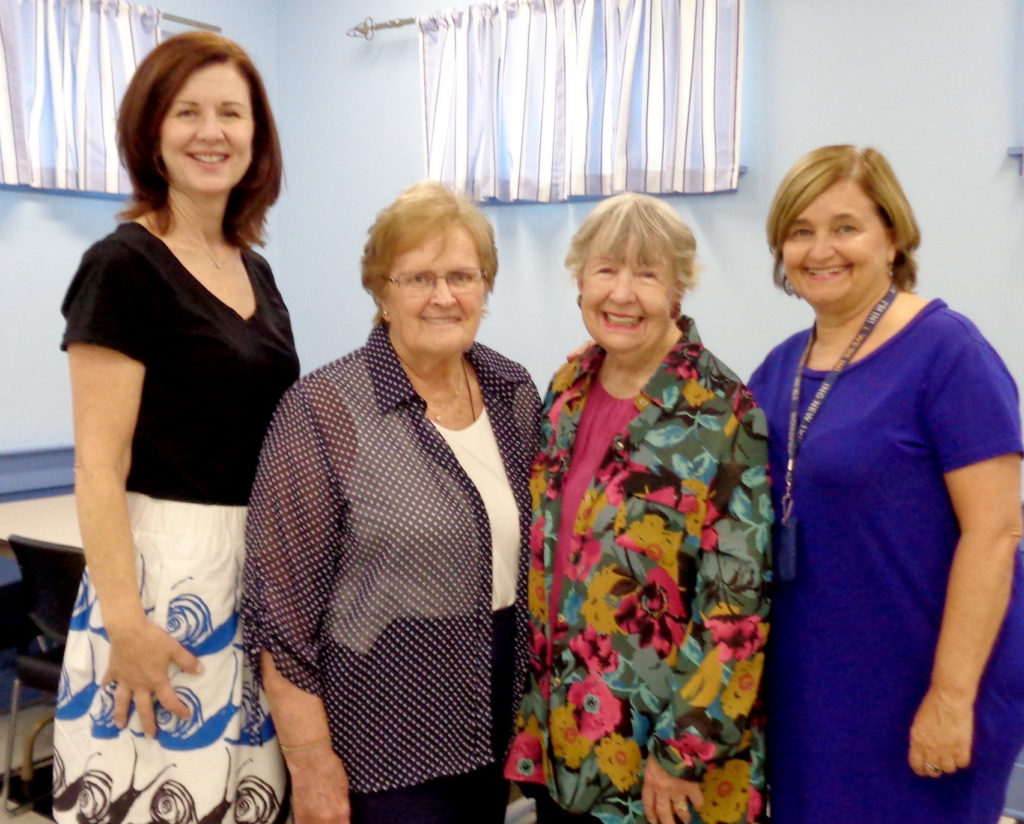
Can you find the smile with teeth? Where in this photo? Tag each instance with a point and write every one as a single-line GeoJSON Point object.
{"type": "Point", "coordinates": [621, 320]}
{"type": "Point", "coordinates": [825, 272]}
{"type": "Point", "coordinates": [210, 158]}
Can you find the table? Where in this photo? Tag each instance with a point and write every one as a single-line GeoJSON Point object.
{"type": "Point", "coordinates": [46, 519]}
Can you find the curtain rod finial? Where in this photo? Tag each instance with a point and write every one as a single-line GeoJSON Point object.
{"type": "Point", "coordinates": [364, 29]}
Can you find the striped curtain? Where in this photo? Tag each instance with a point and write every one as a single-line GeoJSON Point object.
{"type": "Point", "coordinates": [64, 65]}
{"type": "Point", "coordinates": [543, 100]}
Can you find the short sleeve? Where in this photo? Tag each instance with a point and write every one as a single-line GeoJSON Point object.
{"type": "Point", "coordinates": [108, 302]}
{"type": "Point", "coordinates": [971, 408]}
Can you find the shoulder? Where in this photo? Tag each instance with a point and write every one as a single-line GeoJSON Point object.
{"type": "Point", "coordinates": [340, 374]}
{"type": "Point", "coordinates": [258, 266]}
{"type": "Point", "coordinates": [943, 324]}
{"type": "Point", "coordinates": [128, 244]}
{"type": "Point", "coordinates": [939, 334]}
{"type": "Point", "coordinates": [492, 365]}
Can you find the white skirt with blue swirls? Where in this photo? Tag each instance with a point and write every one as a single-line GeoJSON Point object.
{"type": "Point", "coordinates": [224, 763]}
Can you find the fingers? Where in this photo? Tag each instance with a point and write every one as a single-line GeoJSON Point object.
{"type": "Point", "coordinates": [144, 708]}
{"type": "Point", "coordinates": [122, 704]}
{"type": "Point", "coordinates": [169, 700]}
{"type": "Point", "coordinates": [187, 661]}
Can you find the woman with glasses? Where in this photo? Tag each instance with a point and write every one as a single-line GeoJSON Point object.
{"type": "Point", "coordinates": [649, 552]}
{"type": "Point", "coordinates": [385, 541]}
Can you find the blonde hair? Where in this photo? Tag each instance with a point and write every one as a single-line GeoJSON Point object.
{"type": "Point", "coordinates": [659, 233]}
{"type": "Point", "coordinates": [816, 171]}
{"type": "Point", "coordinates": [424, 210]}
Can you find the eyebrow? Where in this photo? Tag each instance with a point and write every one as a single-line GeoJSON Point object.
{"type": "Point", "coordinates": [841, 216]}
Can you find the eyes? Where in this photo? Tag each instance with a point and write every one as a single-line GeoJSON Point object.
{"type": "Point", "coordinates": [803, 232]}
{"type": "Point", "coordinates": [608, 271]}
{"type": "Point", "coordinates": [190, 112]}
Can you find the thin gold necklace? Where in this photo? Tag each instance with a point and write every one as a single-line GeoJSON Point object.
{"type": "Point", "coordinates": [437, 416]}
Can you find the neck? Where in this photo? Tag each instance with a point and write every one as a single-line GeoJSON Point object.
{"type": "Point", "coordinates": [839, 327]}
{"type": "Point", "coordinates": [197, 219]}
{"type": "Point", "coordinates": [430, 370]}
{"type": "Point", "coordinates": [624, 374]}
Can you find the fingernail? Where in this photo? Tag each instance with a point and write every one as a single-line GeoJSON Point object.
{"type": "Point", "coordinates": [200, 669]}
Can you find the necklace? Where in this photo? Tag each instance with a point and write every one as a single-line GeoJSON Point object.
{"type": "Point", "coordinates": [435, 415]}
{"type": "Point", "coordinates": [209, 252]}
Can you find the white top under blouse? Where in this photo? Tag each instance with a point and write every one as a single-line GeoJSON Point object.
{"type": "Point", "coordinates": [476, 449]}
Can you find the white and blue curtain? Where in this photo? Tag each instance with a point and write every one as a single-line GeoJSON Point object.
{"type": "Point", "coordinates": [543, 100]}
{"type": "Point", "coordinates": [64, 66]}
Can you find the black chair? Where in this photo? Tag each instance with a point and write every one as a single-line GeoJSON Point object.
{"type": "Point", "coordinates": [50, 576]}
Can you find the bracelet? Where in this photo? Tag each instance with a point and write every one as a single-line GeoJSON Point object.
{"type": "Point", "coordinates": [307, 746]}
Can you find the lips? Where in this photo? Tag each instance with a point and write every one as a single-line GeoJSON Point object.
{"type": "Point", "coordinates": [823, 273]}
{"type": "Point", "coordinates": [621, 321]}
{"type": "Point", "coordinates": [209, 158]}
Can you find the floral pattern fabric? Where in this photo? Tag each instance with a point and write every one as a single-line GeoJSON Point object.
{"type": "Point", "coordinates": [657, 647]}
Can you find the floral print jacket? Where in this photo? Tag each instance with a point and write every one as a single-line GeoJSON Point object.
{"type": "Point", "coordinates": [657, 647]}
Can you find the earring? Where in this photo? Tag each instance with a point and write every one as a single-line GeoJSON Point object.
{"type": "Point", "coordinates": [384, 314]}
{"type": "Point", "coordinates": [787, 287]}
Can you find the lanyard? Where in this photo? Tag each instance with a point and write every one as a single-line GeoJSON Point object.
{"type": "Point", "coordinates": [796, 433]}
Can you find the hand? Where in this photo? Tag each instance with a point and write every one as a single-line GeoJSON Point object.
{"type": "Point", "coordinates": [139, 660]}
{"type": "Point", "coordinates": [941, 734]}
{"type": "Point", "coordinates": [666, 798]}
{"type": "Point", "coordinates": [319, 787]}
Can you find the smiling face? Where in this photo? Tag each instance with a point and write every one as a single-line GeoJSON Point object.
{"type": "Point", "coordinates": [838, 252]}
{"type": "Point", "coordinates": [628, 304]}
{"type": "Point", "coordinates": [438, 324]}
{"type": "Point", "coordinates": [206, 136]}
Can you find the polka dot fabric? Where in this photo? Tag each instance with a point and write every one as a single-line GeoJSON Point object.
{"type": "Point", "coordinates": [368, 569]}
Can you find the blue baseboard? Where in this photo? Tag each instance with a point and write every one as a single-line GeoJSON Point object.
{"type": "Point", "coordinates": [36, 473]}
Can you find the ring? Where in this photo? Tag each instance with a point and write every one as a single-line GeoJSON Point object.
{"type": "Point", "coordinates": [935, 769]}
{"type": "Point", "coordinates": [679, 805]}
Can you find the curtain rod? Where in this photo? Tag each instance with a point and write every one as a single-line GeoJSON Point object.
{"type": "Point", "coordinates": [173, 18]}
{"type": "Point", "coordinates": [368, 27]}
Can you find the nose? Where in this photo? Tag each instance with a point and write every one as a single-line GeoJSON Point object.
{"type": "Point", "coordinates": [442, 292]}
{"type": "Point", "coordinates": [622, 285]}
{"type": "Point", "coordinates": [209, 127]}
{"type": "Point", "coordinates": [821, 246]}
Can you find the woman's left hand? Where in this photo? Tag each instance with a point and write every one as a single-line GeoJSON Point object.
{"type": "Point", "coordinates": [941, 735]}
{"type": "Point", "coordinates": [667, 798]}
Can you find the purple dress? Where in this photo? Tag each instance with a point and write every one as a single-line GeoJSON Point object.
{"type": "Point", "coordinates": [853, 635]}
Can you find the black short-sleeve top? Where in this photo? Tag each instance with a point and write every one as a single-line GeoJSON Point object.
{"type": "Point", "coordinates": [212, 377]}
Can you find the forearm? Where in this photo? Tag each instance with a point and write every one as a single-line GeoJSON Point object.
{"type": "Point", "coordinates": [299, 716]}
{"type": "Point", "coordinates": [976, 601]}
{"type": "Point", "coordinates": [109, 547]}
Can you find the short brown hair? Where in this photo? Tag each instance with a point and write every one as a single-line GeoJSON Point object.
{"type": "Point", "coordinates": [816, 171]}
{"type": "Point", "coordinates": [146, 102]}
{"type": "Point", "coordinates": [422, 211]}
{"type": "Point", "coordinates": [660, 233]}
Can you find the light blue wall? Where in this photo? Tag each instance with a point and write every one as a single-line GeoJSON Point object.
{"type": "Point", "coordinates": [939, 90]}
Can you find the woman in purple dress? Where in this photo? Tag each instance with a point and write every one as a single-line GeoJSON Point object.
{"type": "Point", "coordinates": [895, 675]}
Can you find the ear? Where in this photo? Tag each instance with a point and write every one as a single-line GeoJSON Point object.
{"type": "Point", "coordinates": [893, 251]}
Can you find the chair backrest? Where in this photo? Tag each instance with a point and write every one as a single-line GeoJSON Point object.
{"type": "Point", "coordinates": [50, 575]}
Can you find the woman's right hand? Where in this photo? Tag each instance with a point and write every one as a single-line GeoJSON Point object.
{"type": "Point", "coordinates": [140, 655]}
{"type": "Point", "coordinates": [319, 787]}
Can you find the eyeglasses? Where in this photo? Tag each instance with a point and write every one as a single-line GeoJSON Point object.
{"type": "Point", "coordinates": [423, 283]}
